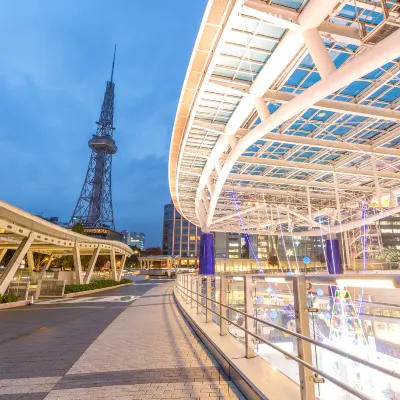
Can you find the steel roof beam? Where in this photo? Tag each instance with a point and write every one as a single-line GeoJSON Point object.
{"type": "Point", "coordinates": [312, 16]}
{"type": "Point", "coordinates": [315, 167]}
{"type": "Point", "coordinates": [296, 182]}
{"type": "Point", "coordinates": [329, 144]}
{"type": "Point", "coordinates": [288, 19]}
{"type": "Point", "coordinates": [339, 106]}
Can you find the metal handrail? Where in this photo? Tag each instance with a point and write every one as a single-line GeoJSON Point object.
{"type": "Point", "coordinates": [339, 352]}
{"type": "Point", "coordinates": [342, 385]}
{"type": "Point", "coordinates": [294, 358]}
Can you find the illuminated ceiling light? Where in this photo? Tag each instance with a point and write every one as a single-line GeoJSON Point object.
{"type": "Point", "coordinates": [367, 283]}
{"type": "Point", "coordinates": [275, 280]}
{"type": "Point", "coordinates": [237, 278]}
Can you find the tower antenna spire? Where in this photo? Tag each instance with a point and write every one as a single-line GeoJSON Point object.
{"type": "Point", "coordinates": [94, 207]}
{"type": "Point", "coordinates": [112, 70]}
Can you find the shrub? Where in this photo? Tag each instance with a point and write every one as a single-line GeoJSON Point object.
{"type": "Point", "coordinates": [8, 298]}
{"type": "Point", "coordinates": [94, 285]}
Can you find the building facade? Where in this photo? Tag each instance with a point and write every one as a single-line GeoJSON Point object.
{"type": "Point", "coordinates": [136, 239]}
{"type": "Point", "coordinates": [180, 237]}
{"type": "Point", "coordinates": [233, 245]}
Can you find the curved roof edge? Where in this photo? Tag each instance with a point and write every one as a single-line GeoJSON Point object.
{"type": "Point", "coordinates": [211, 26]}
{"type": "Point", "coordinates": [14, 215]}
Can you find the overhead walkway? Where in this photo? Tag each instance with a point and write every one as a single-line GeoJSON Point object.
{"type": "Point", "coordinates": [26, 233]}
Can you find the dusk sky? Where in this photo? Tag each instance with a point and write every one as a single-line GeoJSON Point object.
{"type": "Point", "coordinates": [56, 57]}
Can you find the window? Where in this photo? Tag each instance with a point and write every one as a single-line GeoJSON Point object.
{"type": "Point", "coordinates": [169, 211]}
{"type": "Point", "coordinates": [192, 237]}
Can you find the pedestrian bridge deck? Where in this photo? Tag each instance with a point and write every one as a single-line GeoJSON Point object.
{"type": "Point", "coordinates": [147, 352]}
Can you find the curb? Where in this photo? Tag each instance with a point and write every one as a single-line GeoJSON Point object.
{"type": "Point", "coordinates": [77, 294]}
{"type": "Point", "coordinates": [14, 304]}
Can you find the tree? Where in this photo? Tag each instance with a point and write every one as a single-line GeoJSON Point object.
{"type": "Point", "coordinates": [39, 260]}
{"type": "Point", "coordinates": [245, 250]}
{"type": "Point", "coordinates": [133, 260]}
{"type": "Point", "coordinates": [67, 262]}
{"type": "Point", "coordinates": [153, 251]}
{"type": "Point", "coordinates": [391, 256]}
{"type": "Point", "coordinates": [321, 258]}
{"type": "Point", "coordinates": [79, 228]}
{"type": "Point", "coordinates": [273, 260]}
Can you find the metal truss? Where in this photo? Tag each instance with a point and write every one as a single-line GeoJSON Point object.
{"type": "Point", "coordinates": [94, 207]}
{"type": "Point", "coordinates": [293, 106]}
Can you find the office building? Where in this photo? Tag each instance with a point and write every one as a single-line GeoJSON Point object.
{"type": "Point", "coordinates": [233, 245]}
{"type": "Point", "coordinates": [136, 239]}
{"type": "Point", "coordinates": [180, 237]}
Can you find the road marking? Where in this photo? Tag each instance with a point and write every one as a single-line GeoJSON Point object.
{"type": "Point", "coordinates": [97, 299]}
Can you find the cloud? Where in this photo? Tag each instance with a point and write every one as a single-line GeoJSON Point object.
{"type": "Point", "coordinates": [53, 69]}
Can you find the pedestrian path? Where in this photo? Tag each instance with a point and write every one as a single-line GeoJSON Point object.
{"type": "Point", "coordinates": [147, 352]}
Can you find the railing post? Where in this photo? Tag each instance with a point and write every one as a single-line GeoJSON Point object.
{"type": "Point", "coordinates": [208, 296]}
{"type": "Point", "coordinates": [198, 293]}
{"type": "Point", "coordinates": [249, 310]}
{"type": "Point", "coordinates": [189, 287]}
{"type": "Point", "coordinates": [223, 285]}
{"type": "Point", "coordinates": [186, 287]}
{"type": "Point", "coordinates": [192, 287]}
{"type": "Point", "coordinates": [307, 385]}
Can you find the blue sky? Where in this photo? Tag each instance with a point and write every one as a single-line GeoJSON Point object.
{"type": "Point", "coordinates": [55, 59]}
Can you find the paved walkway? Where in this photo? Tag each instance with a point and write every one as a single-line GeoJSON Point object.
{"type": "Point", "coordinates": [147, 352]}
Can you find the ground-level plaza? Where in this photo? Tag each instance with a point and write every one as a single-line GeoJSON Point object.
{"type": "Point", "coordinates": [126, 343]}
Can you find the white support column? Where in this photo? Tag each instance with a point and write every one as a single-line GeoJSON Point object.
{"type": "Point", "coordinates": [337, 198]}
{"type": "Point", "coordinates": [392, 203]}
{"type": "Point", "coordinates": [113, 265]}
{"type": "Point", "coordinates": [307, 386]}
{"type": "Point", "coordinates": [2, 253]}
{"type": "Point", "coordinates": [309, 204]}
{"type": "Point", "coordinates": [249, 309]}
{"type": "Point", "coordinates": [31, 262]}
{"type": "Point", "coordinates": [319, 52]}
{"type": "Point", "coordinates": [46, 267]}
{"type": "Point", "coordinates": [15, 262]}
{"type": "Point", "coordinates": [261, 107]}
{"type": "Point", "coordinates": [121, 267]}
{"type": "Point", "coordinates": [92, 264]}
{"type": "Point", "coordinates": [77, 264]}
{"type": "Point", "coordinates": [347, 248]}
{"type": "Point", "coordinates": [377, 187]}
{"type": "Point", "coordinates": [223, 284]}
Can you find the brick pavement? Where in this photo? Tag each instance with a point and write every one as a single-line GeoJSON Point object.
{"type": "Point", "coordinates": [147, 352]}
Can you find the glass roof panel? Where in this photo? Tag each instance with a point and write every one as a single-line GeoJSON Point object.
{"type": "Point", "coordinates": [355, 87]}
{"type": "Point", "coordinates": [288, 3]}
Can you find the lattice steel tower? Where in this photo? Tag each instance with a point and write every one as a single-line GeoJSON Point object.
{"type": "Point", "coordinates": [94, 207]}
